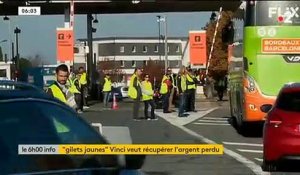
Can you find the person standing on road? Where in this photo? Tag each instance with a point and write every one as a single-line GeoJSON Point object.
{"type": "Point", "coordinates": [59, 89]}
{"type": "Point", "coordinates": [84, 87]}
{"type": "Point", "coordinates": [221, 86]}
{"type": "Point", "coordinates": [135, 92]}
{"type": "Point", "coordinates": [75, 88]}
{"type": "Point", "coordinates": [181, 88]}
{"type": "Point", "coordinates": [165, 88]}
{"type": "Point", "coordinates": [106, 90]}
{"type": "Point", "coordinates": [191, 91]}
{"type": "Point", "coordinates": [148, 98]}
{"type": "Point", "coordinates": [172, 88]}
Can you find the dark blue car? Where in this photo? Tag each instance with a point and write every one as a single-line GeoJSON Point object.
{"type": "Point", "coordinates": [30, 116]}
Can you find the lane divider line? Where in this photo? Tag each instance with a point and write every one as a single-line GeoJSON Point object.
{"type": "Point", "coordinates": [242, 144]}
{"type": "Point", "coordinates": [248, 163]}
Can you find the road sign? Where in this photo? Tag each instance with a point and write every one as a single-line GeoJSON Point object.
{"type": "Point", "coordinates": [65, 44]}
{"type": "Point", "coordinates": [198, 47]}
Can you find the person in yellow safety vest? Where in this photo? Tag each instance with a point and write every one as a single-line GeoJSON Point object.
{"type": "Point", "coordinates": [172, 88]}
{"type": "Point", "coordinates": [75, 88]}
{"type": "Point", "coordinates": [59, 89]}
{"type": "Point", "coordinates": [181, 88]}
{"type": "Point", "coordinates": [165, 87]}
{"type": "Point", "coordinates": [106, 90]}
{"type": "Point", "coordinates": [84, 87]}
{"type": "Point", "coordinates": [148, 98]}
{"type": "Point", "coordinates": [135, 92]}
{"type": "Point", "coordinates": [191, 91]}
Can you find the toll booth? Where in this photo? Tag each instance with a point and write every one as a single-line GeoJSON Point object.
{"type": "Point", "coordinates": [6, 69]}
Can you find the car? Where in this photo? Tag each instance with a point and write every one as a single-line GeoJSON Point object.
{"type": "Point", "coordinates": [118, 93]}
{"type": "Point", "coordinates": [281, 132]}
{"type": "Point", "coordinates": [30, 117]}
{"type": "Point", "coordinates": [124, 91]}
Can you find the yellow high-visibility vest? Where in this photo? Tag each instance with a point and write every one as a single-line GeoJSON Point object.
{"type": "Point", "coordinates": [190, 79]}
{"type": "Point", "coordinates": [147, 87]}
{"type": "Point", "coordinates": [107, 85]}
{"type": "Point", "coordinates": [57, 93]}
{"type": "Point", "coordinates": [73, 87]}
{"type": "Point", "coordinates": [183, 83]}
{"type": "Point", "coordinates": [163, 86]}
{"type": "Point", "coordinates": [132, 92]}
{"type": "Point", "coordinates": [82, 79]}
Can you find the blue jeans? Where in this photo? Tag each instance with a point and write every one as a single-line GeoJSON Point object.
{"type": "Point", "coordinates": [106, 98]}
{"type": "Point", "coordinates": [181, 104]}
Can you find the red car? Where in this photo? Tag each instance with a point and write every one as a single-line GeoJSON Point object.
{"type": "Point", "coordinates": [281, 135]}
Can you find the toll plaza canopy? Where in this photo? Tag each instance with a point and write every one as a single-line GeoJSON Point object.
{"type": "Point", "coordinates": [52, 7]}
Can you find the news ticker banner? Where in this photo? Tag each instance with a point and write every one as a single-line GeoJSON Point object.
{"type": "Point", "coordinates": [129, 149]}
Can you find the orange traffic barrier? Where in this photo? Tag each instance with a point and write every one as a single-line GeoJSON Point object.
{"type": "Point", "coordinates": [114, 105]}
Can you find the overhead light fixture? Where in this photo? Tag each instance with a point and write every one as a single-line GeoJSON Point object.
{"type": "Point", "coordinates": [135, 1]}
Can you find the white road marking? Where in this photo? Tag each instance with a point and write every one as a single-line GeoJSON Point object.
{"type": "Point", "coordinates": [216, 118]}
{"type": "Point", "coordinates": [258, 159]}
{"type": "Point", "coordinates": [184, 120]}
{"type": "Point", "coordinates": [217, 121]}
{"type": "Point", "coordinates": [242, 144]}
{"type": "Point", "coordinates": [99, 125]}
{"type": "Point", "coordinates": [250, 151]}
{"type": "Point", "coordinates": [250, 164]}
{"type": "Point", "coordinates": [216, 124]}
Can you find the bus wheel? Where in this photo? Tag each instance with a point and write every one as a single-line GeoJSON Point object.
{"type": "Point", "coordinates": [242, 127]}
{"type": "Point", "coordinates": [269, 166]}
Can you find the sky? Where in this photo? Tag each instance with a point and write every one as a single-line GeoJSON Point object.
{"type": "Point", "coordinates": [38, 33]}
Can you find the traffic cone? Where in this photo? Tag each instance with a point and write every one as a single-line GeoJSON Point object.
{"type": "Point", "coordinates": [114, 105]}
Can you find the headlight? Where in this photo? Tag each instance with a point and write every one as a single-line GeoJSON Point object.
{"type": "Point", "coordinates": [250, 85]}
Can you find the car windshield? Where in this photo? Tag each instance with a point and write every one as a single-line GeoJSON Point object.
{"type": "Point", "coordinates": [289, 101]}
{"type": "Point", "coordinates": [38, 122]}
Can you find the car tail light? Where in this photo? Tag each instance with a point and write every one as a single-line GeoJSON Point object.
{"type": "Point", "coordinates": [295, 127]}
{"type": "Point", "coordinates": [274, 120]}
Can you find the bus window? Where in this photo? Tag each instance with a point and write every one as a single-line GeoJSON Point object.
{"type": "Point", "coordinates": [3, 73]}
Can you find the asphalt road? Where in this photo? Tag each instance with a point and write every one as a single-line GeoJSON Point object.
{"type": "Point", "coordinates": [160, 132]}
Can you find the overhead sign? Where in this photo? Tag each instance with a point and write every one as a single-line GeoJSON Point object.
{"type": "Point", "coordinates": [29, 10]}
{"type": "Point", "coordinates": [198, 55]}
{"type": "Point", "coordinates": [278, 45]}
{"type": "Point", "coordinates": [65, 44]}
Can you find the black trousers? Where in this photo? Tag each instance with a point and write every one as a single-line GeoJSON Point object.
{"type": "Point", "coordinates": [220, 90]}
{"type": "Point", "coordinates": [78, 101]}
{"type": "Point", "coordinates": [151, 103]}
{"type": "Point", "coordinates": [165, 98]}
{"type": "Point", "coordinates": [136, 107]}
{"type": "Point", "coordinates": [84, 92]}
{"type": "Point", "coordinates": [190, 99]}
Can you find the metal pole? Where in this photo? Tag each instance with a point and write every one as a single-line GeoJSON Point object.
{"type": "Point", "coordinates": [12, 50]}
{"type": "Point", "coordinates": [9, 35]}
{"type": "Point", "coordinates": [166, 43]}
{"type": "Point", "coordinates": [213, 42]}
{"type": "Point", "coordinates": [17, 48]}
{"type": "Point", "coordinates": [90, 45]}
{"type": "Point", "coordinates": [159, 48]}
